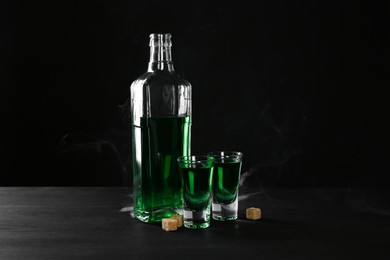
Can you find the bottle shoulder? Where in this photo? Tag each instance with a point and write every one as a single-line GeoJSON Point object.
{"type": "Point", "coordinates": [160, 78]}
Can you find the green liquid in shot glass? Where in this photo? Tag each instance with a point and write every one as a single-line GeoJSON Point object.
{"type": "Point", "coordinates": [197, 186]}
{"type": "Point", "coordinates": [225, 181]}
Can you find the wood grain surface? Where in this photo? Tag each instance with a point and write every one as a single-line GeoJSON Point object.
{"type": "Point", "coordinates": [87, 223]}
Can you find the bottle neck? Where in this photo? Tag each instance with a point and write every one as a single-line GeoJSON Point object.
{"type": "Point", "coordinates": [160, 53]}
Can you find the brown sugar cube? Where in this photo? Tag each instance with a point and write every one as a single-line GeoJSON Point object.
{"type": "Point", "coordinates": [253, 213]}
{"type": "Point", "coordinates": [179, 219]}
{"type": "Point", "coordinates": [169, 224]}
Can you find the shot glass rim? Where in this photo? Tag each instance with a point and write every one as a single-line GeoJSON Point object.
{"type": "Point", "coordinates": [229, 155]}
{"type": "Point", "coordinates": [198, 159]}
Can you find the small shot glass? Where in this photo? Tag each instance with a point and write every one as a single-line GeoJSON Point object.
{"type": "Point", "coordinates": [226, 178]}
{"type": "Point", "coordinates": [196, 173]}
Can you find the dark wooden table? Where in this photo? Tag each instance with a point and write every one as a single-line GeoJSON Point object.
{"type": "Point", "coordinates": [88, 223]}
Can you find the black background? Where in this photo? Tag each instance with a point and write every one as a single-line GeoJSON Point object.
{"type": "Point", "coordinates": [297, 86]}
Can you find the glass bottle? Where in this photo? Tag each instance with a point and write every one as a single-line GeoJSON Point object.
{"type": "Point", "coordinates": [161, 132]}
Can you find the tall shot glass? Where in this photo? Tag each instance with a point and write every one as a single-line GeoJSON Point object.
{"type": "Point", "coordinates": [226, 178]}
{"type": "Point", "coordinates": [196, 172]}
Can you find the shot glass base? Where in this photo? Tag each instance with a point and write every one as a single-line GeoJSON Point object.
{"type": "Point", "coordinates": [225, 212]}
{"type": "Point", "coordinates": [196, 226]}
{"type": "Point", "coordinates": [196, 219]}
{"type": "Point", "coordinates": [222, 218]}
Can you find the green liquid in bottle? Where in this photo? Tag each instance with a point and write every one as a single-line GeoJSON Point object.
{"type": "Point", "coordinates": [157, 185]}
{"type": "Point", "coordinates": [225, 181]}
